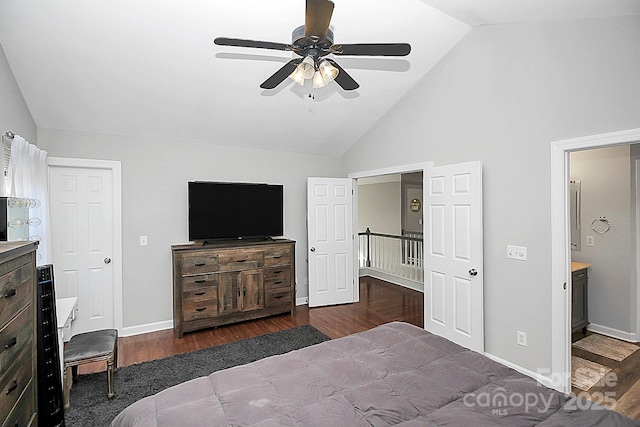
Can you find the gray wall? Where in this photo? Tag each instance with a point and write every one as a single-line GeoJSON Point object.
{"type": "Point", "coordinates": [501, 96]}
{"type": "Point", "coordinates": [14, 114]}
{"type": "Point", "coordinates": [154, 202]}
{"type": "Point", "coordinates": [605, 177]}
{"type": "Point", "coordinates": [379, 207]}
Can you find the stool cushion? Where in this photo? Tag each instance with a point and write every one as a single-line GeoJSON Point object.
{"type": "Point", "coordinates": [90, 344]}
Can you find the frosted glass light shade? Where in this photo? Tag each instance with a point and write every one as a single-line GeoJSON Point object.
{"type": "Point", "coordinates": [303, 71]}
{"type": "Point", "coordinates": [326, 74]}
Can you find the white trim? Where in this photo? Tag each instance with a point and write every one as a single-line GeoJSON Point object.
{"type": "Point", "coordinates": [416, 167]}
{"type": "Point", "coordinates": [560, 253]}
{"type": "Point", "coordinates": [146, 328]}
{"type": "Point", "coordinates": [401, 281]}
{"type": "Point", "coordinates": [116, 170]}
{"type": "Point", "coordinates": [547, 382]}
{"type": "Point", "coordinates": [302, 301]}
{"type": "Point", "coordinates": [613, 333]}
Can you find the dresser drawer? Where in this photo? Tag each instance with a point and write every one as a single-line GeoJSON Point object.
{"type": "Point", "coordinates": [200, 303]}
{"type": "Point", "coordinates": [23, 411]}
{"type": "Point", "coordinates": [277, 256]}
{"type": "Point", "coordinates": [16, 291]}
{"type": "Point", "coordinates": [15, 337]}
{"type": "Point", "coordinates": [204, 293]}
{"type": "Point", "coordinates": [240, 260]}
{"type": "Point", "coordinates": [197, 282]}
{"type": "Point", "coordinates": [276, 297]}
{"type": "Point", "coordinates": [14, 381]}
{"type": "Point", "coordinates": [277, 278]}
{"type": "Point", "coordinates": [198, 263]}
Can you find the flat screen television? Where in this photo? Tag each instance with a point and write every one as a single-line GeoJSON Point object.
{"type": "Point", "coordinates": [230, 210]}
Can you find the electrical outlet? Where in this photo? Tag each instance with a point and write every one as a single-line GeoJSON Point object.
{"type": "Point", "coordinates": [517, 252]}
{"type": "Point", "coordinates": [591, 241]}
{"type": "Point", "coordinates": [522, 338]}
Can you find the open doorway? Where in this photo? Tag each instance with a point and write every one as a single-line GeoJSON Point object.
{"type": "Point", "coordinates": [603, 271]}
{"type": "Point", "coordinates": [389, 226]}
{"type": "Point", "coordinates": [561, 249]}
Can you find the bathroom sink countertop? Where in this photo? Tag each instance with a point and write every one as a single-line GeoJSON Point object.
{"type": "Point", "coordinates": [575, 266]}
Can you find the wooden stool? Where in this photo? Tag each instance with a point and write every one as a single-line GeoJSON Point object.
{"type": "Point", "coordinates": [86, 348]}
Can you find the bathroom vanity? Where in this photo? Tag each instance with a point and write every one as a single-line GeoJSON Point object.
{"type": "Point", "coordinates": [579, 297]}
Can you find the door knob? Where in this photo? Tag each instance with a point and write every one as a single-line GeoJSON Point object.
{"type": "Point", "coordinates": [473, 272]}
{"type": "Point", "coordinates": [312, 249]}
{"type": "Point", "coordinates": [107, 260]}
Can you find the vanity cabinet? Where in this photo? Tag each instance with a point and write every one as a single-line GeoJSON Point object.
{"type": "Point", "coordinates": [579, 299]}
{"type": "Point", "coordinates": [227, 282]}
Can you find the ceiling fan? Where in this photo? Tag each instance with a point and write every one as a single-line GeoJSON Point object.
{"type": "Point", "coordinates": [313, 41]}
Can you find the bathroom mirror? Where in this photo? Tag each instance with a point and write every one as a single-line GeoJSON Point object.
{"type": "Point", "coordinates": [576, 236]}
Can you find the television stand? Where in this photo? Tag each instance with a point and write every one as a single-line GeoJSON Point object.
{"type": "Point", "coordinates": [220, 282]}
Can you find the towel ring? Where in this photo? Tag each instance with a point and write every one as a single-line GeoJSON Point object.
{"type": "Point", "coordinates": [601, 219]}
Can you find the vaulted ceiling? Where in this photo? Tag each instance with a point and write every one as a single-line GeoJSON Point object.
{"type": "Point", "coordinates": [149, 68]}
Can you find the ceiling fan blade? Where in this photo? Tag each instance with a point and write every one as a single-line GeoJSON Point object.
{"type": "Point", "coordinates": [224, 41]}
{"type": "Point", "coordinates": [372, 49]}
{"type": "Point", "coordinates": [345, 81]}
{"type": "Point", "coordinates": [318, 17]}
{"type": "Point", "coordinates": [279, 76]}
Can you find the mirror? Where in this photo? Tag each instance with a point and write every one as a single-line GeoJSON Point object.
{"type": "Point", "coordinates": [575, 200]}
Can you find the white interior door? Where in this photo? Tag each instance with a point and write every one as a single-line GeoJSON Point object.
{"type": "Point", "coordinates": [330, 237]}
{"type": "Point", "coordinates": [81, 203]}
{"type": "Point", "coordinates": [453, 253]}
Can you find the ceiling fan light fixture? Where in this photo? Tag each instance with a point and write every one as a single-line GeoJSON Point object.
{"type": "Point", "coordinates": [326, 74]}
{"type": "Point", "coordinates": [304, 70]}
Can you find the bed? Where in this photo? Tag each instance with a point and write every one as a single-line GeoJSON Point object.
{"type": "Point", "coordinates": [394, 374]}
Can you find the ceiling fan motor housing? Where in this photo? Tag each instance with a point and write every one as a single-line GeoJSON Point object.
{"type": "Point", "coordinates": [311, 46]}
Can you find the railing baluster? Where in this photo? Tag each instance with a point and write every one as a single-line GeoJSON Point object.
{"type": "Point", "coordinates": [398, 255]}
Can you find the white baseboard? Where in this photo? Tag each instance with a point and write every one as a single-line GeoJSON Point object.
{"type": "Point", "coordinates": [302, 301]}
{"type": "Point", "coordinates": [391, 279]}
{"type": "Point", "coordinates": [546, 381]}
{"type": "Point", "coordinates": [613, 333]}
{"type": "Point", "coordinates": [146, 328]}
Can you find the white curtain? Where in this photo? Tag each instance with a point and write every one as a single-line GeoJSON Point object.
{"type": "Point", "coordinates": [28, 179]}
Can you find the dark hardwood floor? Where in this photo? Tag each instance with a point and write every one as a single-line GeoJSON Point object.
{"type": "Point", "coordinates": [380, 302]}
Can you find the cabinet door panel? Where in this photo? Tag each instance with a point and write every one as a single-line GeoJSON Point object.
{"type": "Point", "coordinates": [229, 293]}
{"type": "Point", "coordinates": [252, 290]}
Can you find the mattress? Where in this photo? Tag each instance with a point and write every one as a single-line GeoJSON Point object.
{"type": "Point", "coordinates": [394, 374]}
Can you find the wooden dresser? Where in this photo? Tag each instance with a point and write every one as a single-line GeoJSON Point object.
{"type": "Point", "coordinates": [18, 403]}
{"type": "Point", "coordinates": [229, 282]}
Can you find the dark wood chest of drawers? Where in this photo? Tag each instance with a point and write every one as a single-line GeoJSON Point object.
{"type": "Point", "coordinates": [230, 282]}
{"type": "Point", "coordinates": [18, 405]}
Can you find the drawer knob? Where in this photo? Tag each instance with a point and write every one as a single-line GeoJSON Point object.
{"type": "Point", "coordinates": [201, 309]}
{"type": "Point", "coordinates": [11, 293]}
{"type": "Point", "coordinates": [278, 296]}
{"type": "Point", "coordinates": [200, 293]}
{"type": "Point", "coordinates": [13, 341]}
{"type": "Point", "coordinates": [13, 387]}
{"type": "Point", "coordinates": [278, 282]}
{"type": "Point", "coordinates": [200, 264]}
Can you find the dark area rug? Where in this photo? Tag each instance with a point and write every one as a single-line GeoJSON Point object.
{"type": "Point", "coordinates": [89, 403]}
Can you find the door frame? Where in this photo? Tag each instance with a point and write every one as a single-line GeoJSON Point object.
{"type": "Point", "coordinates": [116, 173]}
{"type": "Point", "coordinates": [415, 167]}
{"type": "Point", "coordinates": [561, 251]}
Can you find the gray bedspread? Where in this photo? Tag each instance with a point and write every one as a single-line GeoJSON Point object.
{"type": "Point", "coordinates": [394, 374]}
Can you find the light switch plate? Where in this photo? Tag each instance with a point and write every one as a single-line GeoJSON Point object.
{"type": "Point", "coordinates": [144, 241]}
{"type": "Point", "coordinates": [517, 252]}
